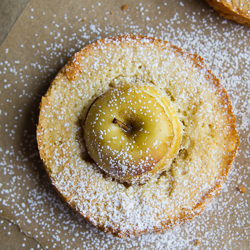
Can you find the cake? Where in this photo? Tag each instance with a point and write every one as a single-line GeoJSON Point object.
{"type": "Point", "coordinates": [238, 11]}
{"type": "Point", "coordinates": [200, 160]}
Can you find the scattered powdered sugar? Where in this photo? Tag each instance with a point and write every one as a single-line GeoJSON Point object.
{"type": "Point", "coordinates": [29, 200]}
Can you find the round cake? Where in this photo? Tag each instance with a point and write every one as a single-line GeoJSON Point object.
{"type": "Point", "coordinates": [176, 120]}
{"type": "Point", "coordinates": [238, 11]}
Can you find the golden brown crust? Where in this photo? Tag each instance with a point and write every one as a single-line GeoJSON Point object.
{"type": "Point", "coordinates": [66, 174]}
{"type": "Point", "coordinates": [238, 11]}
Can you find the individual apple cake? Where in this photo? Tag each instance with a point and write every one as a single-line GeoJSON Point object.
{"type": "Point", "coordinates": [136, 134]}
{"type": "Point", "coordinates": [238, 11]}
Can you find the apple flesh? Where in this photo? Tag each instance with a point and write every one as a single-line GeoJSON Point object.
{"type": "Point", "coordinates": [132, 130]}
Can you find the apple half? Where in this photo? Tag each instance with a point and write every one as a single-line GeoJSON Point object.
{"type": "Point", "coordinates": [132, 132]}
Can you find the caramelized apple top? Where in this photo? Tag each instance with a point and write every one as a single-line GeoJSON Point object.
{"type": "Point", "coordinates": [131, 131]}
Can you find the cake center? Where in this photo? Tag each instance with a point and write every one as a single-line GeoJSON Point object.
{"type": "Point", "coordinates": [130, 130]}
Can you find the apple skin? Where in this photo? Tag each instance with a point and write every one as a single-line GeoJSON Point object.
{"type": "Point", "coordinates": [152, 138]}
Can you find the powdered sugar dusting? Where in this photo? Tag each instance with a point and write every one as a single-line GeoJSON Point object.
{"type": "Point", "coordinates": [26, 196]}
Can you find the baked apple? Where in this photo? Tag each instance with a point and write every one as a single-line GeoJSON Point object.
{"type": "Point", "coordinates": [131, 131]}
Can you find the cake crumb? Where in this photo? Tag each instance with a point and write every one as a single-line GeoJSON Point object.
{"type": "Point", "coordinates": [242, 189]}
{"type": "Point", "coordinates": [197, 242]}
{"type": "Point", "coordinates": [124, 7]}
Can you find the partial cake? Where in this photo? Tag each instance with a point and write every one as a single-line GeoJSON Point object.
{"type": "Point", "coordinates": [236, 10]}
{"type": "Point", "coordinates": [172, 112]}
